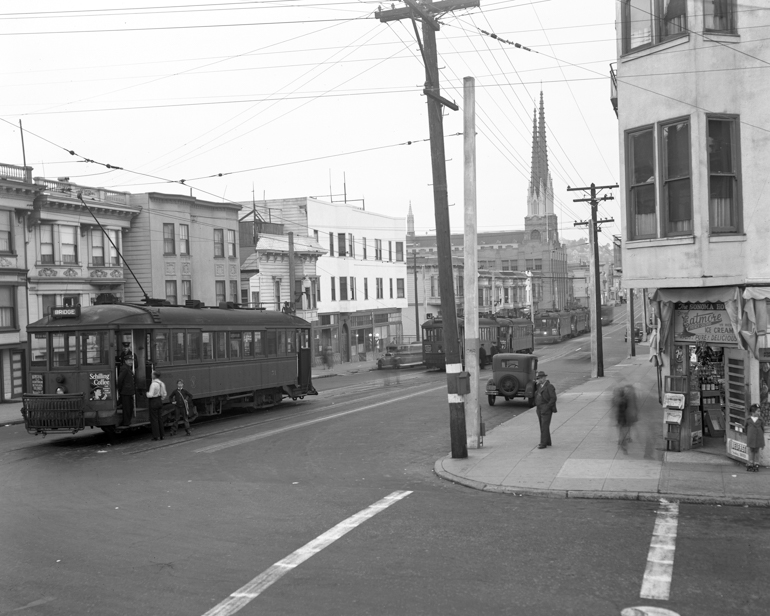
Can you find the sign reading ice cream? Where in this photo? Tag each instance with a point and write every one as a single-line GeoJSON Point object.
{"type": "Point", "coordinates": [703, 322]}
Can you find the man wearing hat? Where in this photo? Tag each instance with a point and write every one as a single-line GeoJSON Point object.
{"type": "Point", "coordinates": [126, 387]}
{"type": "Point", "coordinates": [545, 400]}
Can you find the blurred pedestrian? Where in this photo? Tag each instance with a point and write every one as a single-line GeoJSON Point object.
{"type": "Point", "coordinates": [626, 413]}
{"type": "Point", "coordinates": [183, 407]}
{"type": "Point", "coordinates": [493, 350]}
{"type": "Point", "coordinates": [754, 429]}
{"type": "Point", "coordinates": [155, 396]}
{"type": "Point", "coordinates": [482, 356]}
{"type": "Point", "coordinates": [545, 400]}
{"type": "Point", "coordinates": [127, 387]}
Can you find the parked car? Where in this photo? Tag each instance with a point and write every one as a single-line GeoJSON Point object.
{"type": "Point", "coordinates": [637, 333]}
{"type": "Point", "coordinates": [513, 376]}
{"type": "Point", "coordinates": [401, 356]}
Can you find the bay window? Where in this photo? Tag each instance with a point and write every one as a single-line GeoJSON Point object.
{"type": "Point", "coordinates": [69, 247]}
{"type": "Point", "coordinates": [648, 22]}
{"type": "Point", "coordinates": [724, 193]}
{"type": "Point", "coordinates": [97, 247]}
{"type": "Point", "coordinates": [675, 171]}
{"type": "Point", "coordinates": [46, 243]}
{"type": "Point", "coordinates": [6, 221]}
{"type": "Point", "coordinates": [168, 239]}
{"type": "Point", "coordinates": [641, 172]}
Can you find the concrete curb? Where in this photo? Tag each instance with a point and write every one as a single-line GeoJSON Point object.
{"type": "Point", "coordinates": [697, 499]}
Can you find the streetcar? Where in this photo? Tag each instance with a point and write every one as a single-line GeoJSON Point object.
{"type": "Point", "coordinates": [581, 321]}
{"type": "Point", "coordinates": [553, 327]}
{"type": "Point", "coordinates": [227, 356]}
{"type": "Point", "coordinates": [509, 335]}
{"type": "Point", "coordinates": [607, 314]}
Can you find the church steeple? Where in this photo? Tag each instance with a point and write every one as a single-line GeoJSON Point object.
{"type": "Point", "coordinates": [410, 222]}
{"type": "Point", "coordinates": [540, 197]}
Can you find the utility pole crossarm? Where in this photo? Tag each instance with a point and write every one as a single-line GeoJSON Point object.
{"type": "Point", "coordinates": [424, 10]}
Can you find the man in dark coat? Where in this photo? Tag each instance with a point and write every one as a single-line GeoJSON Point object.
{"type": "Point", "coordinates": [127, 388]}
{"type": "Point", "coordinates": [545, 400]}
{"type": "Point", "coordinates": [482, 356]}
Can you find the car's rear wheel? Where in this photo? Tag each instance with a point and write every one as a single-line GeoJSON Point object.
{"type": "Point", "coordinates": [508, 385]}
{"type": "Point", "coordinates": [491, 400]}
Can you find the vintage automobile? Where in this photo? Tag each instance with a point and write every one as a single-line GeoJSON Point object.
{"type": "Point", "coordinates": [401, 356]}
{"type": "Point", "coordinates": [637, 333]}
{"type": "Point", "coordinates": [513, 376]}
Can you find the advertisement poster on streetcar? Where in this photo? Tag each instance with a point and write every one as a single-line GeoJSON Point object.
{"type": "Point", "coordinates": [99, 386]}
{"type": "Point", "coordinates": [705, 322]}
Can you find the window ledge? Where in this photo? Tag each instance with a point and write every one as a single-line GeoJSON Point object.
{"type": "Point", "coordinates": [721, 37]}
{"type": "Point", "coordinates": [657, 242]}
{"type": "Point", "coordinates": [718, 239]}
{"type": "Point", "coordinates": [642, 53]}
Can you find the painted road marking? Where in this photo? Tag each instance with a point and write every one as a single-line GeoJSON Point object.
{"type": "Point", "coordinates": [241, 597]}
{"type": "Point", "coordinates": [309, 422]}
{"type": "Point", "coordinates": [660, 559]}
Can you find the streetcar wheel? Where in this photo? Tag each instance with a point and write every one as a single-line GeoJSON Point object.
{"type": "Point", "coordinates": [491, 400]}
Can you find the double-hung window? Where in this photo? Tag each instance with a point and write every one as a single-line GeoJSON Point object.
{"type": "Point", "coordinates": [7, 307]}
{"type": "Point", "coordinates": [331, 244]}
{"type": "Point", "coordinates": [399, 251]}
{"type": "Point", "coordinates": [363, 244]}
{"type": "Point", "coordinates": [378, 250]}
{"type": "Point", "coordinates": [231, 243]}
{"type": "Point", "coordinates": [640, 165]}
{"type": "Point", "coordinates": [334, 288]}
{"type": "Point", "coordinates": [399, 287]}
{"type": "Point", "coordinates": [6, 219]}
{"type": "Point", "coordinates": [380, 293]}
{"type": "Point", "coordinates": [351, 245]}
{"type": "Point", "coordinates": [675, 180]}
{"type": "Point", "coordinates": [184, 240]}
{"type": "Point", "coordinates": [97, 247]}
{"type": "Point", "coordinates": [219, 291]}
{"type": "Point", "coordinates": [724, 189]}
{"type": "Point", "coordinates": [171, 291]}
{"type": "Point", "coordinates": [46, 244]}
{"type": "Point", "coordinates": [113, 247]}
{"type": "Point", "coordinates": [366, 288]}
{"type": "Point", "coordinates": [352, 288]}
{"type": "Point", "coordinates": [343, 288]}
{"type": "Point", "coordinates": [168, 239]}
{"type": "Point", "coordinates": [219, 243]}
{"type": "Point", "coordinates": [341, 245]}
{"type": "Point", "coordinates": [186, 290]}
{"type": "Point", "coordinates": [69, 245]}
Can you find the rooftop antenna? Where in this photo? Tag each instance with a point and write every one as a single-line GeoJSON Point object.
{"type": "Point", "coordinates": [147, 298]}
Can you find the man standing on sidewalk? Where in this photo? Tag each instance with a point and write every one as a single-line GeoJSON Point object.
{"type": "Point", "coordinates": [545, 400]}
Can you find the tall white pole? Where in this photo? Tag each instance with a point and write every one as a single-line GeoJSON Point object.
{"type": "Point", "coordinates": [470, 273]}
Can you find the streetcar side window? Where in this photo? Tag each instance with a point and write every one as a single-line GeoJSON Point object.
{"type": "Point", "coordinates": [38, 350]}
{"type": "Point", "coordinates": [95, 348]}
{"type": "Point", "coordinates": [235, 345]}
{"type": "Point", "coordinates": [259, 344]}
{"type": "Point", "coordinates": [221, 346]}
{"type": "Point", "coordinates": [271, 342]}
{"type": "Point", "coordinates": [64, 349]}
{"type": "Point", "coordinates": [290, 343]}
{"type": "Point", "coordinates": [161, 346]}
{"type": "Point", "coordinates": [248, 344]}
{"type": "Point", "coordinates": [178, 347]}
{"type": "Point", "coordinates": [207, 341]}
{"type": "Point", "coordinates": [281, 342]}
{"type": "Point", "coordinates": [193, 345]}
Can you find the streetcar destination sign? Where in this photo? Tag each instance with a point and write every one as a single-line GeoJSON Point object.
{"type": "Point", "coordinates": [65, 312]}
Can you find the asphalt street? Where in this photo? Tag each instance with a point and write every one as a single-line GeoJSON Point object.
{"type": "Point", "coordinates": [245, 517]}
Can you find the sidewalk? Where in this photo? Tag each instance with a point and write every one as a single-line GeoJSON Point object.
{"type": "Point", "coordinates": [585, 461]}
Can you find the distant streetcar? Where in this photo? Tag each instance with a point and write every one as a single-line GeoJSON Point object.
{"type": "Point", "coordinates": [226, 356]}
{"type": "Point", "coordinates": [551, 327]}
{"type": "Point", "coordinates": [509, 335]}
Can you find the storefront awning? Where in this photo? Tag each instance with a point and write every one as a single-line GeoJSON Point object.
{"type": "Point", "coordinates": [730, 296]}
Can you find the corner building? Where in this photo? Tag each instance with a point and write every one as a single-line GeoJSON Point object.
{"type": "Point", "coordinates": [694, 141]}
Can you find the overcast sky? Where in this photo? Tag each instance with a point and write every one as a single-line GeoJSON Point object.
{"type": "Point", "coordinates": [287, 98]}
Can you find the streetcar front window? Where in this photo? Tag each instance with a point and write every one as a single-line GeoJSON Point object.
{"type": "Point", "coordinates": [64, 349]}
{"type": "Point", "coordinates": [95, 348]}
{"type": "Point", "coordinates": [38, 349]}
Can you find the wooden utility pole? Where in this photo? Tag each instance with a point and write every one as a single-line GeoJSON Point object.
{"type": "Point", "coordinates": [597, 354]}
{"type": "Point", "coordinates": [471, 275]}
{"type": "Point", "coordinates": [426, 14]}
{"type": "Point", "coordinates": [416, 297]}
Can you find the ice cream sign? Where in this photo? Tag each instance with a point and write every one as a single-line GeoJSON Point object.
{"type": "Point", "coordinates": [703, 322]}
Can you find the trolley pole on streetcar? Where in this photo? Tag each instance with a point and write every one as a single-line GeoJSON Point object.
{"type": "Point", "coordinates": [425, 12]}
{"type": "Point", "coordinates": [597, 354]}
